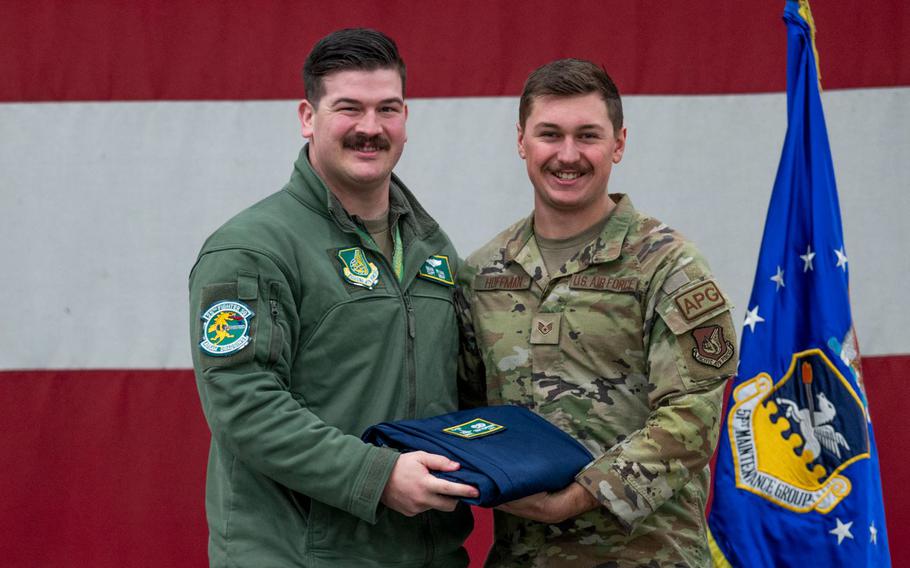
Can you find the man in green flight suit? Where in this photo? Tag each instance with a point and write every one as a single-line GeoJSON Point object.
{"type": "Point", "coordinates": [323, 309]}
{"type": "Point", "coordinates": [609, 324]}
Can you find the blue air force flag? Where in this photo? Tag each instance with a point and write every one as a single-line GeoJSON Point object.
{"type": "Point", "coordinates": [797, 480]}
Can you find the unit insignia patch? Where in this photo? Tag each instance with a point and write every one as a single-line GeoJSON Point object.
{"type": "Point", "coordinates": [226, 328]}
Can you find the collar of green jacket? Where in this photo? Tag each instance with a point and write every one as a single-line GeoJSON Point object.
{"type": "Point", "coordinates": [308, 188]}
{"type": "Point", "coordinates": [606, 247]}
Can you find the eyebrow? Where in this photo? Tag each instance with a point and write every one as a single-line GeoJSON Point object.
{"type": "Point", "coordinates": [348, 101]}
{"type": "Point", "coordinates": [558, 127]}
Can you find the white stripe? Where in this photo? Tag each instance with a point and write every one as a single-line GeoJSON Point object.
{"type": "Point", "coordinates": [106, 204]}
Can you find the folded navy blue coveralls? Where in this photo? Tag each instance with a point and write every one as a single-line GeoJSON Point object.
{"type": "Point", "coordinates": [506, 452]}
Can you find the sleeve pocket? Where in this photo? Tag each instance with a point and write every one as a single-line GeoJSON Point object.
{"type": "Point", "coordinates": [698, 317]}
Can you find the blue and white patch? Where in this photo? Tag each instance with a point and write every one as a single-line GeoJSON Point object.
{"type": "Point", "coordinates": [226, 328]}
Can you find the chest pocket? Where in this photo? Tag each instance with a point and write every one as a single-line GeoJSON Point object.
{"type": "Point", "coordinates": [603, 317]}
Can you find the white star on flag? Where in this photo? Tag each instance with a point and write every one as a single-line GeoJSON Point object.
{"type": "Point", "coordinates": [753, 318]}
{"type": "Point", "coordinates": [807, 259]}
{"type": "Point", "coordinates": [842, 531]}
{"type": "Point", "coordinates": [841, 258]}
{"type": "Point", "coordinates": [873, 533]}
{"type": "Point", "coordinates": [779, 279]}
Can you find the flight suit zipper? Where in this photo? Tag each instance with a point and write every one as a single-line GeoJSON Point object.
{"type": "Point", "coordinates": [409, 340]}
{"type": "Point", "coordinates": [276, 337]}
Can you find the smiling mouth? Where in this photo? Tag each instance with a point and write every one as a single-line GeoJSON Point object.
{"type": "Point", "coordinates": [563, 175]}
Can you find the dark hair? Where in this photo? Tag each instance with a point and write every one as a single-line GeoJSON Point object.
{"type": "Point", "coordinates": [567, 78]}
{"type": "Point", "coordinates": [360, 49]}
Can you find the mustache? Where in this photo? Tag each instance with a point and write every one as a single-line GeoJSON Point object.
{"type": "Point", "coordinates": [353, 141]}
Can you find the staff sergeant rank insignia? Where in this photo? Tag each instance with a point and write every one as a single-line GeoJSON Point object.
{"type": "Point", "coordinates": [436, 268]}
{"type": "Point", "coordinates": [357, 269]}
{"type": "Point", "coordinates": [226, 328]}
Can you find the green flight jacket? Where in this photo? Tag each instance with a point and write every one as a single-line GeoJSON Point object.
{"type": "Point", "coordinates": [289, 481]}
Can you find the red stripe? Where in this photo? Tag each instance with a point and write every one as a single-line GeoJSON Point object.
{"type": "Point", "coordinates": [107, 468]}
{"type": "Point", "coordinates": [888, 391]}
{"type": "Point", "coordinates": [157, 50]}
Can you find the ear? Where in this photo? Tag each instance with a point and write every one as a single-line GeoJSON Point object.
{"type": "Point", "coordinates": [406, 120]}
{"type": "Point", "coordinates": [306, 113]}
{"type": "Point", "coordinates": [521, 142]}
{"type": "Point", "coordinates": [620, 146]}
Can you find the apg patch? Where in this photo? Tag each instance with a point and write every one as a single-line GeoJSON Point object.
{"type": "Point", "coordinates": [699, 300]}
{"type": "Point", "coordinates": [226, 328]}
{"type": "Point", "coordinates": [475, 428]}
{"type": "Point", "coordinates": [437, 269]}
{"type": "Point", "coordinates": [357, 269]}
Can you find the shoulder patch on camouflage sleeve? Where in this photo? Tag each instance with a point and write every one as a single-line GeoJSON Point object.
{"type": "Point", "coordinates": [711, 347]}
{"type": "Point", "coordinates": [697, 301]}
{"type": "Point", "coordinates": [692, 305]}
{"type": "Point", "coordinates": [708, 350]}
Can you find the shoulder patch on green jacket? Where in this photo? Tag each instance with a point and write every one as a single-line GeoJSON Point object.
{"type": "Point", "coordinates": [227, 324]}
{"type": "Point", "coordinates": [226, 328]}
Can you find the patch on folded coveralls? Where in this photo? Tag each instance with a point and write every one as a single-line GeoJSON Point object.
{"type": "Point", "coordinates": [474, 429]}
{"type": "Point", "coordinates": [226, 328]}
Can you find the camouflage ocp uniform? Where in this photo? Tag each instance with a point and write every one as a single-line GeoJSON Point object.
{"type": "Point", "coordinates": [628, 348]}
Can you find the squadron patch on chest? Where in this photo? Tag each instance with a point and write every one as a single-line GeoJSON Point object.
{"type": "Point", "coordinates": [436, 268]}
{"type": "Point", "coordinates": [608, 283]}
{"type": "Point", "coordinates": [699, 300]}
{"type": "Point", "coordinates": [357, 268]}
{"type": "Point", "coordinates": [505, 281]}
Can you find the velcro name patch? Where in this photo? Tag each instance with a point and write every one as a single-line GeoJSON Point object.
{"type": "Point", "coordinates": [504, 281]}
{"type": "Point", "coordinates": [609, 283]}
{"type": "Point", "coordinates": [699, 300]}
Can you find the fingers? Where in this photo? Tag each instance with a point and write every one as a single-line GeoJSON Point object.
{"type": "Point", "coordinates": [436, 462]}
{"type": "Point", "coordinates": [443, 487]}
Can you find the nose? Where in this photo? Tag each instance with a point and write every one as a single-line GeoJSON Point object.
{"type": "Point", "coordinates": [568, 152]}
{"type": "Point", "coordinates": [369, 124]}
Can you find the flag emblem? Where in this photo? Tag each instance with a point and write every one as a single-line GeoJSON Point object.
{"type": "Point", "coordinates": [437, 269]}
{"type": "Point", "coordinates": [357, 269]}
{"type": "Point", "coordinates": [226, 328]}
{"type": "Point", "coordinates": [791, 440]}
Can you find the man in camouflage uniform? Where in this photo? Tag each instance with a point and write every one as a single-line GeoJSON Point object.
{"type": "Point", "coordinates": [609, 324]}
